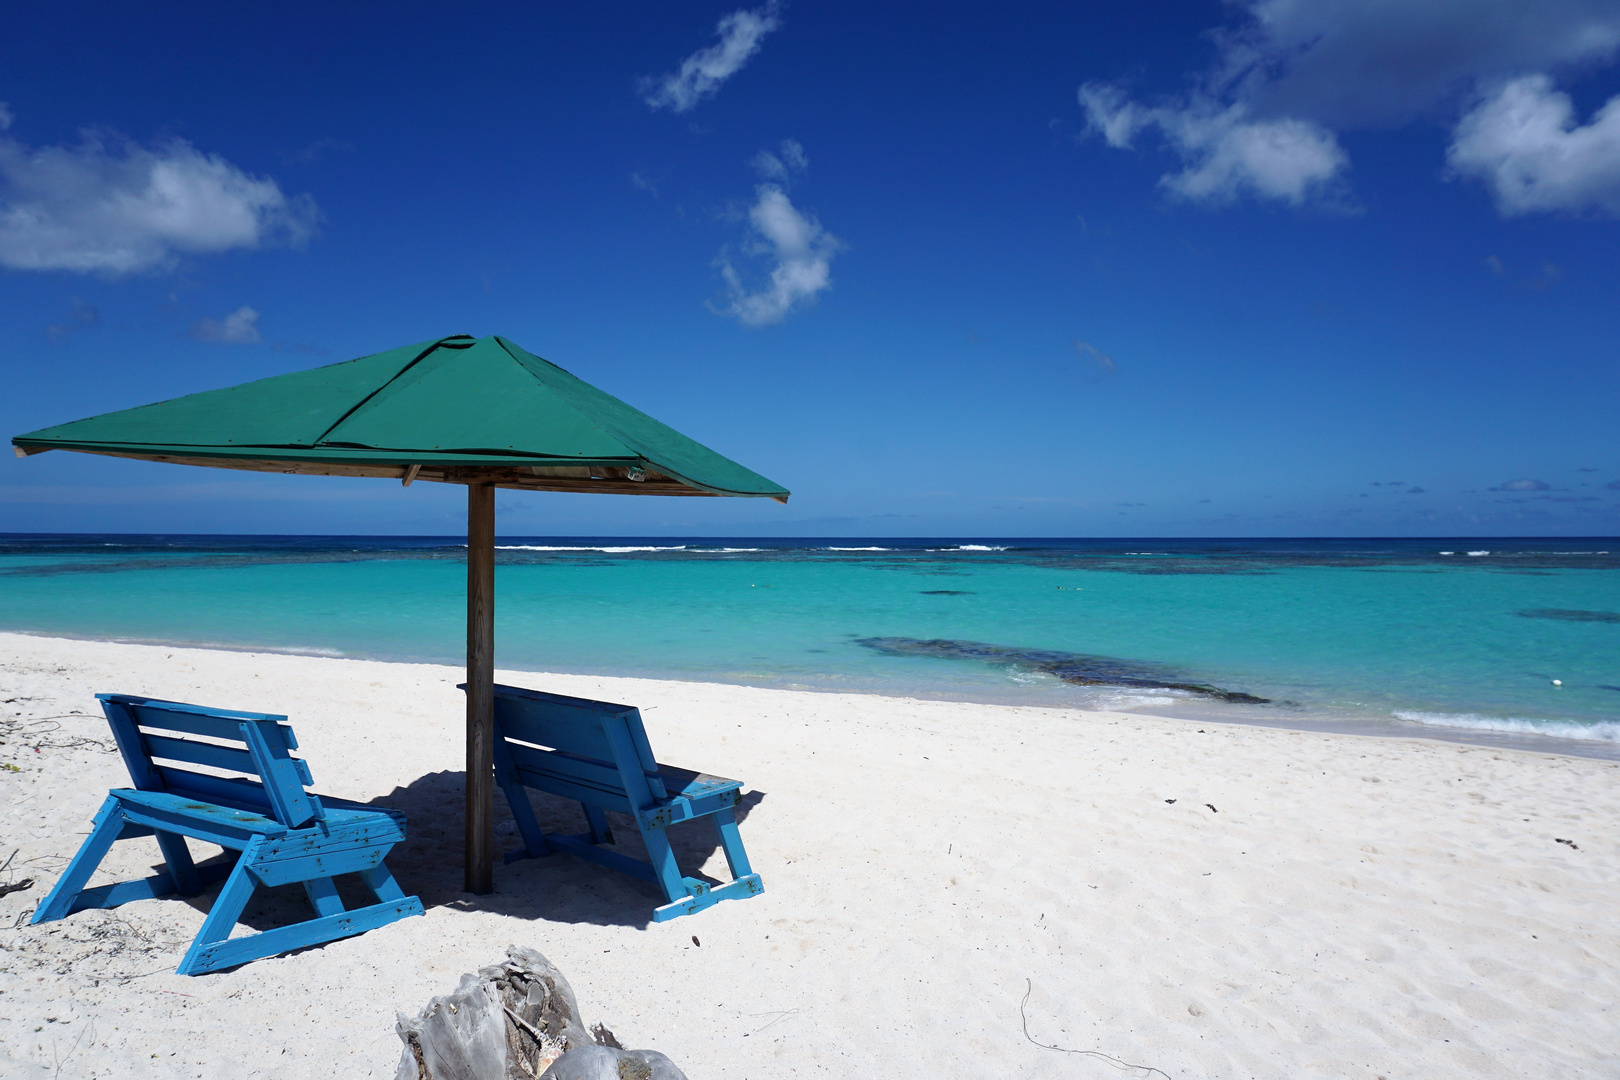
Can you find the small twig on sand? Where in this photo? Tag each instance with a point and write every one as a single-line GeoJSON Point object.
{"type": "Point", "coordinates": [90, 1027]}
{"type": "Point", "coordinates": [1115, 1062]}
{"type": "Point", "coordinates": [779, 1014]}
{"type": "Point", "coordinates": [34, 732]}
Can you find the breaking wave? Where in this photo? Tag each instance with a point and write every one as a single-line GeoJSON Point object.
{"type": "Point", "coordinates": [1601, 731]}
{"type": "Point", "coordinates": [559, 547]}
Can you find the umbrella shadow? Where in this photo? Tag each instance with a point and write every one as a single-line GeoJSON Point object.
{"type": "Point", "coordinates": [556, 888]}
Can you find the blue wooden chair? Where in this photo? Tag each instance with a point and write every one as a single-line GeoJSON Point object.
{"type": "Point", "coordinates": [597, 754]}
{"type": "Point", "coordinates": [281, 833]}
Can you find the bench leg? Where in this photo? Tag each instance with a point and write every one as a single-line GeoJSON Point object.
{"type": "Point", "coordinates": [725, 823]}
{"type": "Point", "coordinates": [177, 857]}
{"type": "Point", "coordinates": [233, 897]}
{"type": "Point", "coordinates": [517, 799]}
{"type": "Point", "coordinates": [109, 823]}
{"type": "Point", "coordinates": [667, 871]}
{"type": "Point", "coordinates": [597, 819]}
{"type": "Point", "coordinates": [323, 896]}
{"type": "Point", "coordinates": [382, 884]}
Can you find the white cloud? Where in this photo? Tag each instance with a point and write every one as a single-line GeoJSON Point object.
{"type": "Point", "coordinates": [1525, 484]}
{"type": "Point", "coordinates": [240, 327]}
{"type": "Point", "coordinates": [781, 167]}
{"type": "Point", "coordinates": [801, 253]}
{"type": "Point", "coordinates": [6, 116]}
{"type": "Point", "coordinates": [701, 74]}
{"type": "Point", "coordinates": [1227, 152]}
{"type": "Point", "coordinates": [112, 206]}
{"type": "Point", "coordinates": [1524, 143]}
{"type": "Point", "coordinates": [1263, 119]}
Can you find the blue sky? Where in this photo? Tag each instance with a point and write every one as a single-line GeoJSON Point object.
{"type": "Point", "coordinates": [1268, 267]}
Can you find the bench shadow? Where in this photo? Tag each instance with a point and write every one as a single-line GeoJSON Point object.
{"type": "Point", "coordinates": [557, 888]}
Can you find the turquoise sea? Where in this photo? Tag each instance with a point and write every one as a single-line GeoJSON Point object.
{"type": "Point", "coordinates": [1461, 637]}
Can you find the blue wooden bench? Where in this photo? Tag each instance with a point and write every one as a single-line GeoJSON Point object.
{"type": "Point", "coordinates": [282, 833]}
{"type": "Point", "coordinates": [597, 754]}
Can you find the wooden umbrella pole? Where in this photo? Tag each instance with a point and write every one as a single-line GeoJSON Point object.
{"type": "Point", "coordinates": [480, 839]}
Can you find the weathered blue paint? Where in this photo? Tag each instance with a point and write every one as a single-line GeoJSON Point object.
{"type": "Point", "coordinates": [597, 753]}
{"type": "Point", "coordinates": [283, 833]}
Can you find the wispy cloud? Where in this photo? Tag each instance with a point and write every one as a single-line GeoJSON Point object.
{"type": "Point", "coordinates": [320, 149]}
{"type": "Point", "coordinates": [1103, 365]}
{"type": "Point", "coordinates": [80, 316]}
{"type": "Point", "coordinates": [641, 183]}
{"type": "Point", "coordinates": [798, 249]}
{"type": "Point", "coordinates": [702, 74]}
{"type": "Point", "coordinates": [240, 327]}
{"type": "Point", "coordinates": [1524, 484]}
{"type": "Point", "coordinates": [1263, 120]}
{"type": "Point", "coordinates": [112, 206]}
{"type": "Point", "coordinates": [781, 167]}
{"type": "Point", "coordinates": [1227, 152]}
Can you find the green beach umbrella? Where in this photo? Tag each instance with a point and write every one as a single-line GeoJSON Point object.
{"type": "Point", "coordinates": [461, 410]}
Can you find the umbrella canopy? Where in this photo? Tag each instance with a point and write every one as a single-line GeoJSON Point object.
{"type": "Point", "coordinates": [461, 410]}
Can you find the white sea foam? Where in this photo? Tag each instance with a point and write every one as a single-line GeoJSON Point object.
{"type": "Point", "coordinates": [858, 549]}
{"type": "Point", "coordinates": [608, 550]}
{"type": "Point", "coordinates": [1477, 554]}
{"type": "Point", "coordinates": [1448, 553]}
{"type": "Point", "coordinates": [1128, 700]}
{"type": "Point", "coordinates": [1602, 731]}
{"type": "Point", "coordinates": [974, 547]}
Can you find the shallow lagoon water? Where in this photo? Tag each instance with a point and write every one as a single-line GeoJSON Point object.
{"type": "Point", "coordinates": [1459, 636]}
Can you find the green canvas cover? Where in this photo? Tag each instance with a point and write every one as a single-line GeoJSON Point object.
{"type": "Point", "coordinates": [456, 409]}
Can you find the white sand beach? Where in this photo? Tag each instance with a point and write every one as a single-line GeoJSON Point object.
{"type": "Point", "coordinates": [1205, 900]}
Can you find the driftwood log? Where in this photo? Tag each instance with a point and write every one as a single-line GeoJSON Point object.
{"type": "Point", "coordinates": [517, 1020]}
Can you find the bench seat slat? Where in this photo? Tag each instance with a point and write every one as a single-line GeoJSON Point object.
{"type": "Point", "coordinates": [694, 785]}
{"type": "Point", "coordinates": [173, 802]}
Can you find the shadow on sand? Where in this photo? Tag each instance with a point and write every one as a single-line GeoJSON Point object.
{"type": "Point", "coordinates": [558, 888]}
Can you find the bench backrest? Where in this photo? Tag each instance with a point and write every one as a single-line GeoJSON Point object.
{"type": "Point", "coordinates": [156, 737]}
{"type": "Point", "coordinates": [596, 744]}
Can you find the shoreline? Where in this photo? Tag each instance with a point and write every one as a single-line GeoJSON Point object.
{"type": "Point", "coordinates": [1236, 900]}
{"type": "Point", "coordinates": [1186, 710]}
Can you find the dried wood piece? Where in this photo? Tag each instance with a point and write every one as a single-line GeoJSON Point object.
{"type": "Point", "coordinates": [516, 1020]}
